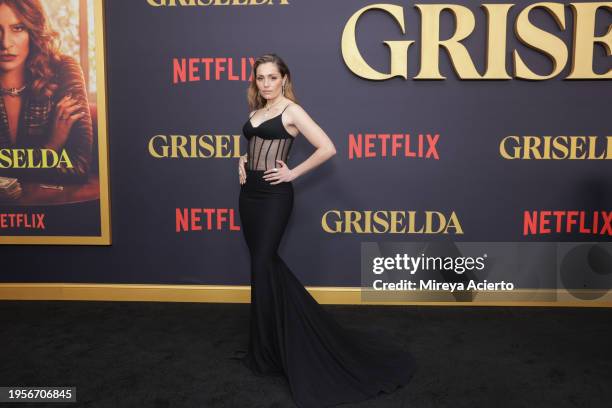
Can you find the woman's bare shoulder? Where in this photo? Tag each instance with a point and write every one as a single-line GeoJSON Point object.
{"type": "Point", "coordinates": [293, 105]}
{"type": "Point", "coordinates": [294, 108]}
{"type": "Point", "coordinates": [296, 111]}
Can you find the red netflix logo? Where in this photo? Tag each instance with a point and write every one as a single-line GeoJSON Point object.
{"type": "Point", "coordinates": [209, 219]}
{"type": "Point", "coordinates": [196, 69]}
{"type": "Point", "coordinates": [370, 145]}
{"type": "Point", "coordinates": [583, 222]}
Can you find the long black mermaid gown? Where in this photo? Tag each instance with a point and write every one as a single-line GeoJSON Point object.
{"type": "Point", "coordinates": [290, 333]}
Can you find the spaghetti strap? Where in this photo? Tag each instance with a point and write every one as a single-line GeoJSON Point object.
{"type": "Point", "coordinates": [286, 107]}
{"type": "Point", "coordinates": [255, 111]}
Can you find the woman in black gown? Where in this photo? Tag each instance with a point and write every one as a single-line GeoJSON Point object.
{"type": "Point", "coordinates": [290, 333]}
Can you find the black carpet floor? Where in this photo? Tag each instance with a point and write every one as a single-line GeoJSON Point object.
{"type": "Point", "coordinates": [140, 354]}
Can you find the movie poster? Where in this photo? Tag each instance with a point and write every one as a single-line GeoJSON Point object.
{"type": "Point", "coordinates": [53, 141]}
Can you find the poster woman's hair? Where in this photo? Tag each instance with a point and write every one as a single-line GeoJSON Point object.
{"type": "Point", "coordinates": [44, 54]}
{"type": "Point", "coordinates": [255, 100]}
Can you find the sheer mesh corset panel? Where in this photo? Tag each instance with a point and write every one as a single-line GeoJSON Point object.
{"type": "Point", "coordinates": [268, 142]}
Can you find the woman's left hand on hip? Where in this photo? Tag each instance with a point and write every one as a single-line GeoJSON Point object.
{"type": "Point", "coordinates": [281, 173]}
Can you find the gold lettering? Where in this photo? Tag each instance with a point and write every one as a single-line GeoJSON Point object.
{"type": "Point", "coordinates": [576, 146]}
{"type": "Point", "coordinates": [325, 224]}
{"type": "Point", "coordinates": [560, 148]}
{"type": "Point", "coordinates": [398, 49]}
{"type": "Point", "coordinates": [453, 222]}
{"type": "Point", "coordinates": [207, 143]}
{"type": "Point", "coordinates": [397, 222]}
{"type": "Point", "coordinates": [178, 143]}
{"type": "Point", "coordinates": [497, 15]}
{"type": "Point", "coordinates": [412, 223]}
{"type": "Point", "coordinates": [430, 38]}
{"type": "Point", "coordinates": [194, 146]}
{"type": "Point", "coordinates": [592, 146]}
{"type": "Point", "coordinates": [541, 40]}
{"type": "Point", "coordinates": [531, 147]}
{"type": "Point", "coordinates": [354, 223]}
{"type": "Point", "coordinates": [429, 222]}
{"type": "Point", "coordinates": [552, 46]}
{"type": "Point", "coordinates": [34, 159]}
{"type": "Point", "coordinates": [387, 221]}
{"type": "Point", "coordinates": [584, 39]}
{"type": "Point", "coordinates": [379, 219]}
{"type": "Point", "coordinates": [152, 147]}
{"type": "Point", "coordinates": [502, 148]}
{"type": "Point", "coordinates": [64, 159]}
{"type": "Point", "coordinates": [555, 148]}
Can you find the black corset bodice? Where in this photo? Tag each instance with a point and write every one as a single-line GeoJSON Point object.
{"type": "Point", "coordinates": [268, 142]}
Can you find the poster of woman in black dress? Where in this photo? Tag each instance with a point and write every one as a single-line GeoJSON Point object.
{"type": "Point", "coordinates": [51, 186]}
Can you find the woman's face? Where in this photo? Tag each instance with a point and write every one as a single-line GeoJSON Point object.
{"type": "Point", "coordinates": [269, 80]}
{"type": "Point", "coordinates": [14, 40]}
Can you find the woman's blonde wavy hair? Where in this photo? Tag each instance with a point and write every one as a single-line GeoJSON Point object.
{"type": "Point", "coordinates": [255, 100]}
{"type": "Point", "coordinates": [44, 55]}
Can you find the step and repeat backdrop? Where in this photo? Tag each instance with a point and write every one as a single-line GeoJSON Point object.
{"type": "Point", "coordinates": [474, 148]}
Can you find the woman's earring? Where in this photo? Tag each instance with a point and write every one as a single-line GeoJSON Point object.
{"type": "Point", "coordinates": [283, 89]}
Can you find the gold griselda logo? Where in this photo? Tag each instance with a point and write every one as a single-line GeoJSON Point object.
{"type": "Point", "coordinates": [390, 222]}
{"type": "Point", "coordinates": [556, 148]}
{"type": "Point", "coordinates": [194, 146]}
{"type": "Point", "coordinates": [34, 159]}
{"type": "Point", "coordinates": [578, 54]}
